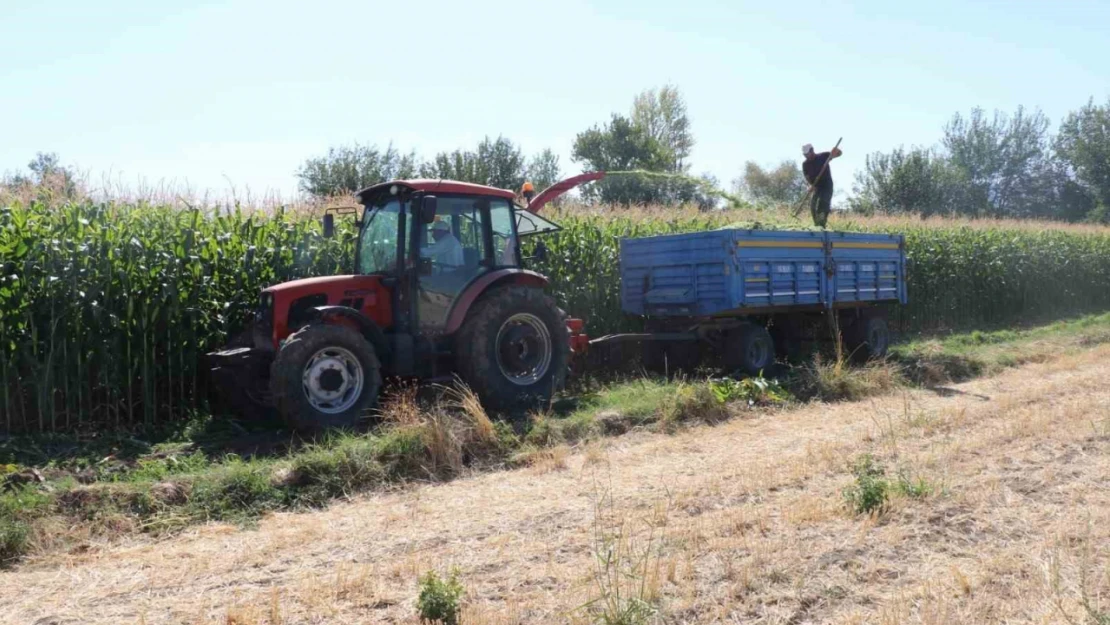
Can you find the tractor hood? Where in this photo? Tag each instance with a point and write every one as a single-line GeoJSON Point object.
{"type": "Point", "coordinates": [313, 283]}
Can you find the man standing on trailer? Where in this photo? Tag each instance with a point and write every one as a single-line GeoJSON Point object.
{"type": "Point", "coordinates": [819, 176]}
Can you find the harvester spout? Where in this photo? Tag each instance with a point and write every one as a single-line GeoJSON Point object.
{"type": "Point", "coordinates": [562, 187]}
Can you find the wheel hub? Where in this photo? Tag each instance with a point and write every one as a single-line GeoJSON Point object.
{"type": "Point", "coordinates": [333, 380]}
{"type": "Point", "coordinates": [524, 349]}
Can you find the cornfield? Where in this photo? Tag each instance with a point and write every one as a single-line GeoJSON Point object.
{"type": "Point", "coordinates": [106, 309]}
{"type": "Point", "coordinates": [960, 275]}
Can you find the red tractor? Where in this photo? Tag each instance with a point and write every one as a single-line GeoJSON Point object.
{"type": "Point", "coordinates": [439, 288]}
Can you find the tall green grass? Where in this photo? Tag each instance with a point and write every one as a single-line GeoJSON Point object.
{"type": "Point", "coordinates": [107, 308]}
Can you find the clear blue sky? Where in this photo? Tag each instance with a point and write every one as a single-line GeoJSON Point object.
{"type": "Point", "coordinates": [241, 91]}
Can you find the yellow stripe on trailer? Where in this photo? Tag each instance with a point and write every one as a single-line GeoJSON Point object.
{"type": "Point", "coordinates": [816, 244]}
{"type": "Point", "coordinates": [866, 246]}
{"type": "Point", "coordinates": [756, 280]}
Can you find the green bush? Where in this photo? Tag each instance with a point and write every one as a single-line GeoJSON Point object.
{"type": "Point", "coordinates": [439, 599]}
{"type": "Point", "coordinates": [869, 493]}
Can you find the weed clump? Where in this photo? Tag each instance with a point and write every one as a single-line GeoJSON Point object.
{"type": "Point", "coordinates": [757, 391]}
{"type": "Point", "coordinates": [914, 488]}
{"type": "Point", "coordinates": [335, 470]}
{"type": "Point", "coordinates": [241, 491]}
{"type": "Point", "coordinates": [870, 492]}
{"type": "Point", "coordinates": [440, 598]}
{"type": "Point", "coordinates": [13, 539]}
{"type": "Point", "coordinates": [691, 402]}
{"type": "Point", "coordinates": [836, 380]}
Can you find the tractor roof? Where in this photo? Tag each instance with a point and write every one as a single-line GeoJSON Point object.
{"type": "Point", "coordinates": [437, 186]}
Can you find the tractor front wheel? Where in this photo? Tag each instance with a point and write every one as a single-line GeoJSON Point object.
{"type": "Point", "coordinates": [514, 348]}
{"type": "Point", "coordinates": [325, 376]}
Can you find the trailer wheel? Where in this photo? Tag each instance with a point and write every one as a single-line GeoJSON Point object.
{"type": "Point", "coordinates": [513, 349]}
{"type": "Point", "coordinates": [750, 349]}
{"type": "Point", "coordinates": [869, 338]}
{"type": "Point", "coordinates": [325, 376]}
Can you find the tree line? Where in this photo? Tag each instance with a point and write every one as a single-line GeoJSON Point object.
{"type": "Point", "coordinates": [1000, 165]}
{"type": "Point", "coordinates": [655, 136]}
{"type": "Point", "coordinates": [994, 165]}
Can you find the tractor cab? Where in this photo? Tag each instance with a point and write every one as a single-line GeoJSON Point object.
{"type": "Point", "coordinates": [433, 239]}
{"type": "Point", "coordinates": [438, 289]}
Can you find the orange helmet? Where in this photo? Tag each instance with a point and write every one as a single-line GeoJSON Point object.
{"type": "Point", "coordinates": [527, 188]}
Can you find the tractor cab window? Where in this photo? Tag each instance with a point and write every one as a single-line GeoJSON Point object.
{"type": "Point", "coordinates": [453, 251]}
{"type": "Point", "coordinates": [504, 244]}
{"type": "Point", "coordinates": [452, 244]}
{"type": "Point", "coordinates": [377, 242]}
{"type": "Point", "coordinates": [528, 223]}
{"type": "Point", "coordinates": [459, 246]}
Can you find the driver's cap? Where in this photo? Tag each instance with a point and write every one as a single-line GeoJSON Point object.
{"type": "Point", "coordinates": [440, 225]}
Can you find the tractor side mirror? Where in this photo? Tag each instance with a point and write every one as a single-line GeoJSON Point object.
{"type": "Point", "coordinates": [428, 209]}
{"type": "Point", "coordinates": [329, 225]}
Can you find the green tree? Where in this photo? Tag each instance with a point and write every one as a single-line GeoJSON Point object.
{"type": "Point", "coordinates": [544, 170]}
{"type": "Point", "coordinates": [661, 113]}
{"type": "Point", "coordinates": [1083, 146]}
{"type": "Point", "coordinates": [496, 163]}
{"type": "Point", "coordinates": [916, 180]}
{"type": "Point", "coordinates": [47, 174]}
{"type": "Point", "coordinates": [1006, 158]}
{"type": "Point", "coordinates": [781, 185]}
{"type": "Point", "coordinates": [622, 145]}
{"type": "Point", "coordinates": [349, 169]}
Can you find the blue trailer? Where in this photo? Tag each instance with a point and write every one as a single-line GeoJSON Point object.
{"type": "Point", "coordinates": [747, 294]}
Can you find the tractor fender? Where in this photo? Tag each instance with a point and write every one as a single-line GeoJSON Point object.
{"type": "Point", "coordinates": [345, 315]}
{"type": "Point", "coordinates": [483, 284]}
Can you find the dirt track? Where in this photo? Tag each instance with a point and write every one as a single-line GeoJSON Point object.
{"type": "Point", "coordinates": [749, 526]}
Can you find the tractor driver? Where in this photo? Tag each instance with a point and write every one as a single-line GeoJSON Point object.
{"type": "Point", "coordinates": [446, 253]}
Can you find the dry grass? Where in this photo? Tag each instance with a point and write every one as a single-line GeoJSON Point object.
{"type": "Point", "coordinates": [740, 522]}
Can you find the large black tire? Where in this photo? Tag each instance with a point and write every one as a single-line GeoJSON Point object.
{"type": "Point", "coordinates": [325, 376]}
{"type": "Point", "coordinates": [500, 349]}
{"type": "Point", "coordinates": [869, 337]}
{"type": "Point", "coordinates": [749, 348]}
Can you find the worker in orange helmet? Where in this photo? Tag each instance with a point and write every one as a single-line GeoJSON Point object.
{"type": "Point", "coordinates": [528, 191]}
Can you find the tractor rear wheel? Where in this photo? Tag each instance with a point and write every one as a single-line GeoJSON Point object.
{"type": "Point", "coordinates": [325, 376]}
{"type": "Point", "coordinates": [513, 349]}
{"type": "Point", "coordinates": [749, 348]}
